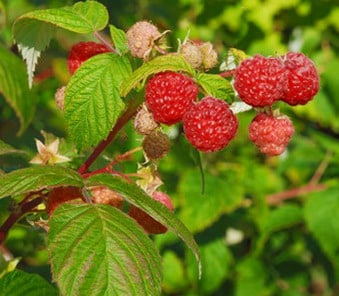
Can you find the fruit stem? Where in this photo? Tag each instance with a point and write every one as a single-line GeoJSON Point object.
{"type": "Point", "coordinates": [123, 119]}
{"type": "Point", "coordinates": [104, 41]}
{"type": "Point", "coordinates": [228, 73]}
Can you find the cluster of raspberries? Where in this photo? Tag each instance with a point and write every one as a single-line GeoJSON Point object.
{"type": "Point", "coordinates": [261, 81]}
{"type": "Point", "coordinates": [209, 124]}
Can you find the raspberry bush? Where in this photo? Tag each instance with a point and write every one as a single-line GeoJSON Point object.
{"type": "Point", "coordinates": [155, 160]}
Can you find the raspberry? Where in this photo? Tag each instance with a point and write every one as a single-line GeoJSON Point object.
{"type": "Point", "coordinates": [103, 195]}
{"type": "Point", "coordinates": [169, 95]}
{"type": "Point", "coordinates": [144, 122]}
{"type": "Point", "coordinates": [59, 97]}
{"type": "Point", "coordinates": [192, 54]}
{"type": "Point", "coordinates": [302, 79]}
{"type": "Point", "coordinates": [210, 124]}
{"type": "Point", "coordinates": [149, 224]}
{"type": "Point", "coordinates": [141, 37]}
{"type": "Point", "coordinates": [82, 51]}
{"type": "Point", "coordinates": [60, 195]}
{"type": "Point", "coordinates": [210, 56]}
{"type": "Point", "coordinates": [260, 81]}
{"type": "Point", "coordinates": [271, 134]}
{"type": "Point", "coordinates": [156, 145]}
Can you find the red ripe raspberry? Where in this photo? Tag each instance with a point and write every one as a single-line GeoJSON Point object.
{"type": "Point", "coordinates": [271, 134]}
{"type": "Point", "coordinates": [260, 81]}
{"type": "Point", "coordinates": [82, 51]}
{"type": "Point", "coordinates": [210, 124]}
{"type": "Point", "coordinates": [169, 95]}
{"type": "Point", "coordinates": [150, 225]}
{"type": "Point", "coordinates": [302, 79]}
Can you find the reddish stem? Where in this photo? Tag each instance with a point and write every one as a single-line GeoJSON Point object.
{"type": "Point", "coordinates": [124, 118]}
{"type": "Point", "coordinates": [228, 73]}
{"type": "Point", "coordinates": [277, 198]}
{"type": "Point", "coordinates": [104, 41]}
{"type": "Point", "coordinates": [15, 216]}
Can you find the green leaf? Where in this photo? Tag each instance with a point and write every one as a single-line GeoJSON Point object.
{"type": "Point", "coordinates": [99, 250]}
{"type": "Point", "coordinates": [216, 86]}
{"type": "Point", "coordinates": [20, 283]}
{"type": "Point", "coordinates": [174, 273]}
{"type": "Point", "coordinates": [34, 30]}
{"type": "Point", "coordinates": [321, 214]}
{"type": "Point", "coordinates": [7, 149]}
{"type": "Point", "coordinates": [283, 217]}
{"type": "Point", "coordinates": [201, 210]}
{"type": "Point", "coordinates": [36, 178]}
{"type": "Point", "coordinates": [251, 277]}
{"type": "Point", "coordinates": [216, 262]}
{"type": "Point", "coordinates": [83, 17]}
{"type": "Point", "coordinates": [13, 86]}
{"type": "Point", "coordinates": [158, 211]}
{"type": "Point", "coordinates": [92, 100]}
{"type": "Point", "coordinates": [119, 39]}
{"type": "Point", "coordinates": [170, 62]}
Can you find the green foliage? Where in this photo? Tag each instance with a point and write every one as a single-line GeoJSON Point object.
{"type": "Point", "coordinates": [37, 178]}
{"type": "Point", "coordinates": [92, 95]}
{"type": "Point", "coordinates": [256, 225]}
{"type": "Point", "coordinates": [13, 86]}
{"type": "Point", "coordinates": [19, 283]}
{"type": "Point", "coordinates": [82, 17]}
{"type": "Point", "coordinates": [137, 196]}
{"type": "Point", "coordinates": [100, 263]}
{"type": "Point", "coordinates": [170, 62]}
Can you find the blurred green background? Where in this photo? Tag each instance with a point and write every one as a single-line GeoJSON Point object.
{"type": "Point", "coordinates": [249, 246]}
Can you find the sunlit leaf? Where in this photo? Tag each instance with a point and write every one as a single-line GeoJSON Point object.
{"type": "Point", "coordinates": [99, 250]}
{"type": "Point", "coordinates": [36, 178]}
{"type": "Point", "coordinates": [169, 62]}
{"type": "Point", "coordinates": [92, 100]}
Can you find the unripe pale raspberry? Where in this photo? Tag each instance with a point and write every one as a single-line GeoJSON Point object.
{"type": "Point", "coordinates": [144, 122]}
{"type": "Point", "coordinates": [82, 51]}
{"type": "Point", "coordinates": [59, 97]}
{"type": "Point", "coordinates": [271, 134]}
{"type": "Point", "coordinates": [260, 81]}
{"type": "Point", "coordinates": [141, 37]}
{"type": "Point", "coordinates": [104, 195]}
{"type": "Point", "coordinates": [210, 56]}
{"type": "Point", "coordinates": [156, 145]}
{"type": "Point", "coordinates": [210, 124]}
{"type": "Point", "coordinates": [192, 54]}
{"type": "Point", "coordinates": [302, 79]}
{"type": "Point", "coordinates": [150, 225]}
{"type": "Point", "coordinates": [169, 95]}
